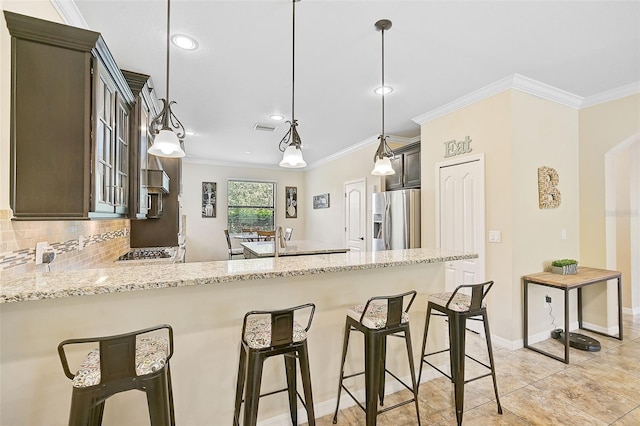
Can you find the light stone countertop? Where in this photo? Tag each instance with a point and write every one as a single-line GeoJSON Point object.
{"type": "Point", "coordinates": [51, 285]}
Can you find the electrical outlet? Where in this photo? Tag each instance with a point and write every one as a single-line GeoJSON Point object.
{"type": "Point", "coordinates": [40, 249]}
{"type": "Point", "coordinates": [48, 256]}
{"type": "Point", "coordinates": [547, 301]}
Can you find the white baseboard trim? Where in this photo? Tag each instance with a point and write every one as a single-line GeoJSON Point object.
{"type": "Point", "coordinates": [324, 408]}
{"type": "Point", "coordinates": [511, 345]}
{"type": "Point", "coordinates": [631, 311]}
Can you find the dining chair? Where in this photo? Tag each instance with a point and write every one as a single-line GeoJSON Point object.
{"type": "Point", "coordinates": [266, 235]}
{"type": "Point", "coordinates": [232, 251]}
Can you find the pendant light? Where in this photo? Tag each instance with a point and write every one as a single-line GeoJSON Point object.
{"type": "Point", "coordinates": [384, 154]}
{"type": "Point", "coordinates": [291, 144]}
{"type": "Point", "coordinates": [166, 127]}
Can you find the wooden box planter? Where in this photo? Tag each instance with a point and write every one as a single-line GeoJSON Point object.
{"type": "Point", "coordinates": [565, 270]}
{"type": "Point", "coordinates": [564, 267]}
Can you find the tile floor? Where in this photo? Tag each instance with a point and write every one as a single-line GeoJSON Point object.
{"type": "Point", "coordinates": [596, 388]}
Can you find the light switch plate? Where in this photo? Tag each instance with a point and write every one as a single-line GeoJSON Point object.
{"type": "Point", "coordinates": [495, 236]}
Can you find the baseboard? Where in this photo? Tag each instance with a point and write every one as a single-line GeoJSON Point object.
{"type": "Point", "coordinates": [324, 408]}
{"type": "Point", "coordinates": [511, 345]}
{"type": "Point", "coordinates": [631, 311]}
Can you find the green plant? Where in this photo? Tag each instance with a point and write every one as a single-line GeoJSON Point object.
{"type": "Point", "coordinates": [564, 262]}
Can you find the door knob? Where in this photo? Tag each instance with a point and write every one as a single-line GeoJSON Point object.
{"type": "Point", "coordinates": [361, 238]}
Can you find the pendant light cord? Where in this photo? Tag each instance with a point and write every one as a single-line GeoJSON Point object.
{"type": "Point", "coordinates": [383, 88]}
{"type": "Point", "coordinates": [293, 64]}
{"type": "Point", "coordinates": [168, 46]}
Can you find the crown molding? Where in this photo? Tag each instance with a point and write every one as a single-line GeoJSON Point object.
{"type": "Point", "coordinates": [611, 95]}
{"type": "Point", "coordinates": [545, 91]}
{"type": "Point", "coordinates": [373, 140]}
{"type": "Point", "coordinates": [69, 12]}
{"type": "Point", "coordinates": [514, 81]}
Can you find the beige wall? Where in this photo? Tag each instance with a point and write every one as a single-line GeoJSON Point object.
{"type": "Point", "coordinates": [205, 236]}
{"type": "Point", "coordinates": [517, 133]}
{"type": "Point", "coordinates": [327, 225]}
{"type": "Point", "coordinates": [603, 129]}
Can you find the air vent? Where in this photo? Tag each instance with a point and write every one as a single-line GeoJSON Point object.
{"type": "Point", "coordinates": [264, 127]}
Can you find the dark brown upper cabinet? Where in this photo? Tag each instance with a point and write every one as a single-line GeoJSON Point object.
{"type": "Point", "coordinates": [70, 123]}
{"type": "Point", "coordinates": [143, 112]}
{"type": "Point", "coordinates": [406, 164]}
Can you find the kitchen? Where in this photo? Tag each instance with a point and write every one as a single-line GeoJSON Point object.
{"type": "Point", "coordinates": [505, 125]}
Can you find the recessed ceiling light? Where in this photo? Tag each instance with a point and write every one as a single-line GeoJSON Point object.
{"type": "Point", "coordinates": [276, 117]}
{"type": "Point", "coordinates": [247, 152]}
{"type": "Point", "coordinates": [184, 41]}
{"type": "Point", "coordinates": [383, 90]}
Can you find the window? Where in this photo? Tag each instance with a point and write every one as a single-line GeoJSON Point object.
{"type": "Point", "coordinates": [251, 205]}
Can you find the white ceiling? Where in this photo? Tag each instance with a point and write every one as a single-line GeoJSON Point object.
{"type": "Point", "coordinates": [436, 52]}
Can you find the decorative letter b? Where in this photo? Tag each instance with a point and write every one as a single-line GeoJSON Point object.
{"type": "Point", "coordinates": [548, 192]}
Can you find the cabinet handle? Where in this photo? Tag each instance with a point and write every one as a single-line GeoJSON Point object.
{"type": "Point", "coordinates": [148, 201]}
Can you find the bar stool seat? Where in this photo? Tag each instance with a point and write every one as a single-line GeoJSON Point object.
{"type": "Point", "coordinates": [266, 334]}
{"type": "Point", "coordinates": [380, 317]}
{"type": "Point", "coordinates": [137, 360]}
{"type": "Point", "coordinates": [458, 306]}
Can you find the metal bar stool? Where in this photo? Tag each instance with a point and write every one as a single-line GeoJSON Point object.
{"type": "Point", "coordinates": [266, 334]}
{"type": "Point", "coordinates": [120, 363]}
{"type": "Point", "coordinates": [380, 317]}
{"type": "Point", "coordinates": [458, 307]}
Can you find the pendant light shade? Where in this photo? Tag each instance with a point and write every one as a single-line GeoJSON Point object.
{"type": "Point", "coordinates": [382, 158]}
{"type": "Point", "coordinates": [168, 129]}
{"type": "Point", "coordinates": [291, 144]}
{"type": "Point", "coordinates": [166, 144]}
{"type": "Point", "coordinates": [292, 158]}
{"type": "Point", "coordinates": [383, 167]}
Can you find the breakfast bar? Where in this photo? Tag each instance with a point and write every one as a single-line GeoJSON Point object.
{"type": "Point", "coordinates": [205, 304]}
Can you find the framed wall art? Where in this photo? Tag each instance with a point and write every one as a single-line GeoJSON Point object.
{"type": "Point", "coordinates": [321, 201]}
{"type": "Point", "coordinates": [209, 199]}
{"type": "Point", "coordinates": [291, 207]}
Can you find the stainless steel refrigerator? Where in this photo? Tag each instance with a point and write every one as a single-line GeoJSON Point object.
{"type": "Point", "coordinates": [396, 220]}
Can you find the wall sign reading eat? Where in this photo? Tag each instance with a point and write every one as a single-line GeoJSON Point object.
{"type": "Point", "coordinates": [453, 148]}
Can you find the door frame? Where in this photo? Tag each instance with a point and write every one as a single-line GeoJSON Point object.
{"type": "Point", "coordinates": [363, 214]}
{"type": "Point", "coordinates": [483, 243]}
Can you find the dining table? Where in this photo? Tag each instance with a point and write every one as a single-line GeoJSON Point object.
{"type": "Point", "coordinates": [249, 236]}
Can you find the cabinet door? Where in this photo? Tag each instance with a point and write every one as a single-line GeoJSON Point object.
{"type": "Point", "coordinates": [412, 169]}
{"type": "Point", "coordinates": [121, 170]}
{"type": "Point", "coordinates": [103, 197]}
{"type": "Point", "coordinates": [394, 181]}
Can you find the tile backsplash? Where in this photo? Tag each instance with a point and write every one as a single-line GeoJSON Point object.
{"type": "Point", "coordinates": [103, 241]}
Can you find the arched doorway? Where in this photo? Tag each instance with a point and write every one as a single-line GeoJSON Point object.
{"type": "Point", "coordinates": [622, 216]}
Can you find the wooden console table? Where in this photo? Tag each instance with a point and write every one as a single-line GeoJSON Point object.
{"type": "Point", "coordinates": [584, 277]}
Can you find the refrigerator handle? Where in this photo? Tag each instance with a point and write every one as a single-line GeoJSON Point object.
{"type": "Point", "coordinates": [387, 224]}
{"type": "Point", "coordinates": [408, 226]}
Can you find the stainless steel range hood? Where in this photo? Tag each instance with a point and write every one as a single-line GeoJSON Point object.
{"type": "Point", "coordinates": [157, 180]}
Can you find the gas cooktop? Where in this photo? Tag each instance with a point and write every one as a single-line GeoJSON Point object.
{"type": "Point", "coordinates": [149, 253]}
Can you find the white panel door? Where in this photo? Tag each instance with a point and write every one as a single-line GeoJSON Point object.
{"type": "Point", "coordinates": [461, 220]}
{"type": "Point", "coordinates": [355, 215]}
